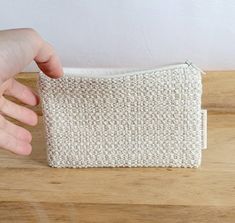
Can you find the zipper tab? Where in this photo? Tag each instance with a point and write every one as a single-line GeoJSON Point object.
{"type": "Point", "coordinates": [189, 63]}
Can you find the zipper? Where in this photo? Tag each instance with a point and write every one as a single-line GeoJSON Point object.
{"type": "Point", "coordinates": [189, 63]}
{"type": "Point", "coordinates": [117, 72]}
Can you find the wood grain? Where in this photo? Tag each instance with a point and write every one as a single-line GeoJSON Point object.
{"type": "Point", "coordinates": [134, 213]}
{"type": "Point", "coordinates": [219, 91]}
{"type": "Point", "coordinates": [30, 191]}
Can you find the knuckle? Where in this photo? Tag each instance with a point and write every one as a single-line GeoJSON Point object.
{"type": "Point", "coordinates": [10, 143]}
{"type": "Point", "coordinates": [7, 141]}
{"type": "Point", "coordinates": [31, 30]}
{"type": "Point", "coordinates": [8, 85]}
{"type": "Point", "coordinates": [50, 50]}
{"type": "Point", "coordinates": [33, 36]}
{"type": "Point", "coordinates": [2, 102]}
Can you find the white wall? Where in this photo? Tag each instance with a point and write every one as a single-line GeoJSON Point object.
{"type": "Point", "coordinates": [90, 33]}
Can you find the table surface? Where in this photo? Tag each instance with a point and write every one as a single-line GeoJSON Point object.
{"type": "Point", "coordinates": [30, 191]}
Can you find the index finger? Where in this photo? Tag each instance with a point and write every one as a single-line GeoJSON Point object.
{"type": "Point", "coordinates": [19, 47]}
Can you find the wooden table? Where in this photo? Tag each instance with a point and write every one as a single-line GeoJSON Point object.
{"type": "Point", "coordinates": [30, 191]}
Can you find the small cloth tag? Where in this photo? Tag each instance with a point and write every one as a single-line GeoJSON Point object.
{"type": "Point", "coordinates": [204, 128]}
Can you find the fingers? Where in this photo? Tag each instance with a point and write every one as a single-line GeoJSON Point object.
{"type": "Point", "coordinates": [21, 47]}
{"type": "Point", "coordinates": [14, 138]}
{"type": "Point", "coordinates": [15, 130]}
{"type": "Point", "coordinates": [18, 112]}
{"type": "Point", "coordinates": [22, 92]}
{"type": "Point", "coordinates": [48, 61]}
{"type": "Point", "coordinates": [11, 143]}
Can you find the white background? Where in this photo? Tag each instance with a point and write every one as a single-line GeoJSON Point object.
{"type": "Point", "coordinates": [130, 33]}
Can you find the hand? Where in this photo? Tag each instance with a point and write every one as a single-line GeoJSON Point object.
{"type": "Point", "coordinates": [17, 49]}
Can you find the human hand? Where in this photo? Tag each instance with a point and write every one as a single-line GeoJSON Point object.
{"type": "Point", "coordinates": [18, 48]}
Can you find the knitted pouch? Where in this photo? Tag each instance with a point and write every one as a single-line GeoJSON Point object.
{"type": "Point", "coordinates": [124, 118]}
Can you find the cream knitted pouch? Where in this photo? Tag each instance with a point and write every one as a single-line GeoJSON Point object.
{"type": "Point", "coordinates": [124, 118]}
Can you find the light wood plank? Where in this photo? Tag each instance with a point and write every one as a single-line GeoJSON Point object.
{"type": "Point", "coordinates": [219, 91]}
{"type": "Point", "coordinates": [119, 186]}
{"type": "Point", "coordinates": [106, 213]}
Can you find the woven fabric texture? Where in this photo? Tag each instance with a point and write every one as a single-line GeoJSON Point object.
{"type": "Point", "coordinates": [148, 118]}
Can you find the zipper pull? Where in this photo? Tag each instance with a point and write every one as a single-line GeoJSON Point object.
{"type": "Point", "coordinates": [189, 63]}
